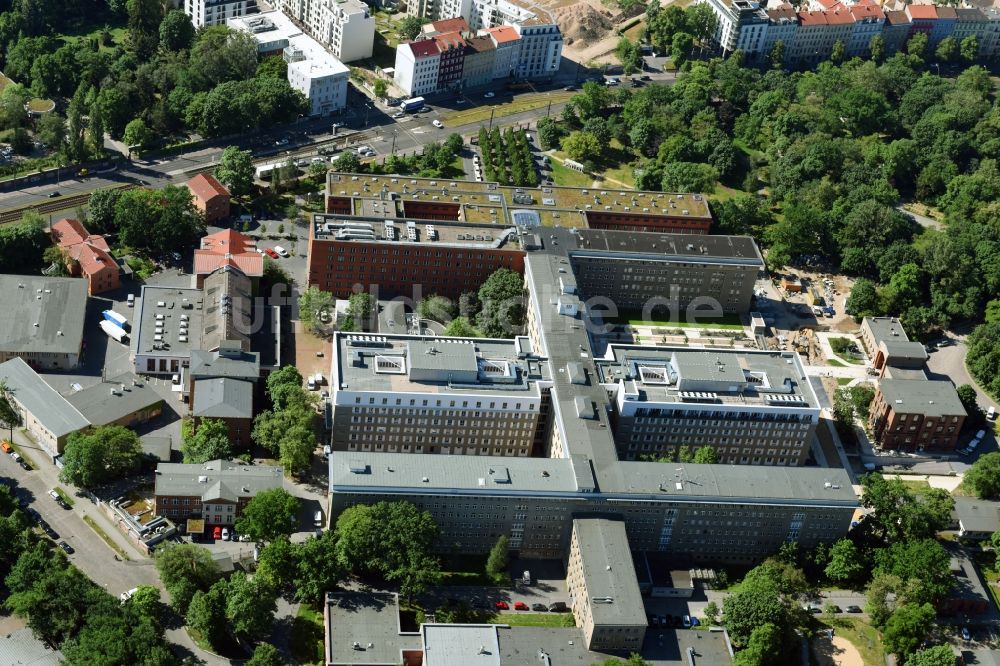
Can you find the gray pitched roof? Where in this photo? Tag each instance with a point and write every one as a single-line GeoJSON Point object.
{"type": "Point", "coordinates": [52, 410]}
{"type": "Point", "coordinates": [223, 399]}
{"type": "Point", "coordinates": [49, 314]}
{"type": "Point", "coordinates": [184, 480]}
{"type": "Point", "coordinates": [977, 515]}
{"type": "Point", "coordinates": [237, 365]}
{"type": "Point", "coordinates": [227, 308]}
{"type": "Point", "coordinates": [108, 401]}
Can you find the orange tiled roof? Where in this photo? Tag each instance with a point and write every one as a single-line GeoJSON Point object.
{"type": "Point", "coordinates": [91, 251]}
{"type": "Point", "coordinates": [923, 12]}
{"type": "Point", "coordinates": [450, 25]}
{"type": "Point", "coordinates": [839, 16]}
{"type": "Point", "coordinates": [228, 248]}
{"type": "Point", "coordinates": [503, 34]}
{"type": "Point", "coordinates": [867, 9]}
{"type": "Point", "coordinates": [449, 40]}
{"type": "Point", "coordinates": [205, 186]}
{"type": "Point", "coordinates": [808, 19]}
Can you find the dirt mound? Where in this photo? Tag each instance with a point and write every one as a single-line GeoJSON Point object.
{"type": "Point", "coordinates": [581, 22]}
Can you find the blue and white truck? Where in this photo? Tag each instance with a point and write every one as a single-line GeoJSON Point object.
{"type": "Point", "coordinates": [116, 319]}
{"type": "Point", "coordinates": [411, 105]}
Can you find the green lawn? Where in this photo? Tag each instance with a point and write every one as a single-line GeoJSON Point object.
{"type": "Point", "coordinates": [525, 619]}
{"type": "Point", "coordinates": [835, 363]}
{"type": "Point", "coordinates": [844, 381]}
{"type": "Point", "coordinates": [481, 114]}
{"type": "Point", "coordinates": [563, 175]}
{"type": "Point", "coordinates": [66, 497]}
{"type": "Point", "coordinates": [621, 174]}
{"type": "Point", "coordinates": [862, 635]}
{"type": "Point", "coordinates": [307, 637]}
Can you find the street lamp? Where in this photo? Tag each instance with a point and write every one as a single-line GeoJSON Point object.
{"type": "Point", "coordinates": [395, 133]}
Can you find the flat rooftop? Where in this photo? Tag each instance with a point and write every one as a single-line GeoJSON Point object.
{"type": "Point", "coordinates": [717, 376]}
{"type": "Point", "coordinates": [419, 364]}
{"type": "Point", "coordinates": [488, 202]}
{"type": "Point", "coordinates": [196, 479]}
{"type": "Point", "coordinates": [384, 473]}
{"type": "Point", "coordinates": [930, 397]}
{"type": "Point", "coordinates": [44, 315]}
{"type": "Point", "coordinates": [372, 622]}
{"type": "Point", "coordinates": [886, 328]}
{"type": "Point", "coordinates": [168, 321]}
{"type": "Point", "coordinates": [670, 247]}
{"type": "Point", "coordinates": [391, 231]}
{"type": "Point", "coordinates": [273, 27]}
{"type": "Point", "coordinates": [608, 572]}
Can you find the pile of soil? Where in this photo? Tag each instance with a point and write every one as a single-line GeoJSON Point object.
{"type": "Point", "coordinates": [580, 21]}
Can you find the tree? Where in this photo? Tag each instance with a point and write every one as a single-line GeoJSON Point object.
{"type": "Point", "coordinates": [837, 53]}
{"type": "Point", "coordinates": [689, 177]}
{"type": "Point", "coordinates": [917, 44]}
{"type": "Point", "coordinates": [758, 602]}
{"type": "Point", "coordinates": [763, 648]}
{"type": "Point", "coordinates": [778, 54]}
{"type": "Point", "coordinates": [390, 539]}
{"type": "Point", "coordinates": [101, 211]}
{"type": "Point", "coordinates": [712, 612]}
{"type": "Point", "coordinates": [898, 515]}
{"type": "Point", "coordinates": [496, 563]}
{"type": "Point", "coordinates": [250, 605]}
{"type": "Point", "coordinates": [680, 48]}
{"type": "Point", "coordinates": [701, 21]}
{"type": "Point", "coordinates": [236, 171]}
{"type": "Point", "coordinates": [581, 146]}
{"type": "Point", "coordinates": [983, 478]}
{"type": "Point", "coordinates": [10, 417]}
{"type": "Point", "coordinates": [410, 26]}
{"type": "Point", "coordinates": [208, 441]}
{"type": "Point", "coordinates": [876, 47]}
{"type": "Point", "coordinates": [316, 309]}
{"type": "Point", "coordinates": [185, 569]}
{"type": "Point", "coordinates": [706, 455]}
{"type": "Point", "coordinates": [206, 613]}
{"type": "Point", "coordinates": [437, 308]}
{"type": "Point", "coordinates": [137, 134]}
{"type": "Point", "coordinates": [317, 569]}
{"type": "Point", "coordinates": [268, 515]}
{"type": "Point", "coordinates": [877, 597]}
{"type": "Point", "coordinates": [969, 48]}
{"type": "Point", "coordinates": [907, 628]}
{"type": "Point", "coordinates": [502, 302]}
{"type": "Point", "coordinates": [846, 564]}
{"type": "Point", "coordinates": [939, 655]}
{"type": "Point", "coordinates": [176, 31]}
{"type": "Point", "coordinates": [863, 300]}
{"type": "Point", "coordinates": [461, 327]}
{"type": "Point", "coordinates": [93, 457]}
{"type": "Point", "coordinates": [628, 54]}
{"type": "Point", "coordinates": [266, 654]}
{"type": "Point", "coordinates": [922, 563]}
{"type": "Point", "coordinates": [146, 602]}
{"type": "Point", "coordinates": [52, 130]}
{"type": "Point", "coordinates": [277, 562]}
{"type": "Point", "coordinates": [295, 449]}
{"type": "Point", "coordinates": [947, 50]}
{"type": "Point", "coordinates": [347, 162]}
{"type": "Point", "coordinates": [380, 88]}
{"type": "Point", "coordinates": [634, 659]}
{"type": "Point", "coordinates": [970, 400]}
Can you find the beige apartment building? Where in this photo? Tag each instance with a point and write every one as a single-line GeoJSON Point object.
{"type": "Point", "coordinates": [603, 587]}
{"type": "Point", "coordinates": [413, 394]}
{"type": "Point", "coordinates": [752, 407]}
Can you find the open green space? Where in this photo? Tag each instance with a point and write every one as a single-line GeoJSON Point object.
{"type": "Point", "coordinates": [526, 619]}
{"type": "Point", "coordinates": [726, 322]}
{"type": "Point", "coordinates": [844, 381]}
{"type": "Point", "coordinates": [522, 103]}
{"type": "Point", "coordinates": [563, 175]}
{"type": "Point", "coordinates": [306, 640]}
{"type": "Point", "coordinates": [861, 635]}
{"type": "Point", "coordinates": [835, 363]}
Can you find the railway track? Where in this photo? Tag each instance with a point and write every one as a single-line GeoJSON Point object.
{"type": "Point", "coordinates": [51, 205]}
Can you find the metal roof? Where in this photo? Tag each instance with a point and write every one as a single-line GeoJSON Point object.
{"type": "Point", "coordinates": [233, 364]}
{"type": "Point", "coordinates": [45, 314]}
{"type": "Point", "coordinates": [187, 480]}
{"type": "Point", "coordinates": [608, 572]}
{"type": "Point", "coordinates": [109, 401]}
{"type": "Point", "coordinates": [22, 648]}
{"type": "Point", "coordinates": [52, 411]}
{"type": "Point", "coordinates": [223, 399]}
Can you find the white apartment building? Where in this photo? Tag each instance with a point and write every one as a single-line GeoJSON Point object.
{"type": "Point", "coordinates": [417, 66]}
{"type": "Point", "coordinates": [312, 70]}
{"type": "Point", "coordinates": [346, 27]}
{"type": "Point", "coordinates": [742, 25]}
{"type": "Point", "coordinates": [215, 12]}
{"type": "Point", "coordinates": [540, 50]}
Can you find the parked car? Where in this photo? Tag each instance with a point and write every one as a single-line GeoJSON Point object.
{"type": "Point", "coordinates": [520, 605]}
{"type": "Point", "coordinates": [653, 620]}
{"type": "Point", "coordinates": [966, 636]}
{"type": "Point", "coordinates": [53, 195]}
{"type": "Point", "coordinates": [540, 608]}
{"type": "Point", "coordinates": [980, 434]}
{"type": "Point", "coordinates": [25, 466]}
{"type": "Point", "coordinates": [281, 142]}
{"type": "Point", "coordinates": [217, 532]}
{"type": "Point", "coordinates": [695, 621]}
{"type": "Point", "coordinates": [68, 549]}
{"type": "Point", "coordinates": [501, 605]}
{"type": "Point", "coordinates": [686, 621]}
{"type": "Point", "coordinates": [271, 253]}
{"type": "Point", "coordinates": [558, 607]}
{"type": "Point", "coordinates": [489, 95]}
{"type": "Point", "coordinates": [225, 534]}
{"type": "Point", "coordinates": [437, 123]}
{"type": "Point", "coordinates": [853, 609]}
{"type": "Point", "coordinates": [991, 413]}
{"type": "Point", "coordinates": [280, 250]}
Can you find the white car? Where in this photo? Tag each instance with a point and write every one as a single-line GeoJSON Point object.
{"type": "Point", "coordinates": [490, 95]}
{"type": "Point", "coordinates": [225, 534]}
{"type": "Point", "coordinates": [280, 250]}
{"type": "Point", "coordinates": [125, 596]}
{"type": "Point", "coordinates": [361, 150]}
{"type": "Point", "coordinates": [398, 114]}
{"type": "Point", "coordinates": [437, 123]}
{"type": "Point", "coordinates": [317, 160]}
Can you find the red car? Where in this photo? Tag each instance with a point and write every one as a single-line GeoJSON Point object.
{"type": "Point", "coordinates": [217, 532]}
{"type": "Point", "coordinates": [502, 605]}
{"type": "Point", "coordinates": [520, 605]}
{"type": "Point", "coordinates": [271, 253]}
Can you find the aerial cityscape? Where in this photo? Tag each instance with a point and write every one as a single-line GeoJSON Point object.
{"type": "Point", "coordinates": [499, 333]}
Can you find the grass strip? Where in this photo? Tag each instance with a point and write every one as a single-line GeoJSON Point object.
{"type": "Point", "coordinates": [106, 537]}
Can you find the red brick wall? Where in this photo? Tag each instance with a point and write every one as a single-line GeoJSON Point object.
{"type": "Point", "coordinates": [338, 205]}
{"type": "Point", "coordinates": [597, 219]}
{"type": "Point", "coordinates": [431, 210]}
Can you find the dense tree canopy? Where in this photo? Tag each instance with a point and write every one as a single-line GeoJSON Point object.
{"type": "Point", "coordinates": [93, 457]}
{"type": "Point", "coordinates": [270, 514]}
{"type": "Point", "coordinates": [209, 441]}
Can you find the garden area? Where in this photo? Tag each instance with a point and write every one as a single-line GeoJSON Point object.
{"type": "Point", "coordinates": [507, 157]}
{"type": "Point", "coordinates": [847, 350]}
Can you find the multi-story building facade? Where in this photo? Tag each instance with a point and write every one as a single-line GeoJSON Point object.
{"type": "Point", "coordinates": [741, 25]}
{"type": "Point", "coordinates": [437, 395]}
{"type": "Point", "coordinates": [541, 49]}
{"type": "Point", "coordinates": [922, 18]}
{"type": "Point", "coordinates": [753, 408]}
{"type": "Point", "coordinates": [602, 585]}
{"type": "Point", "coordinates": [944, 26]}
{"type": "Point", "coordinates": [346, 255]}
{"type": "Point", "coordinates": [970, 21]}
{"type": "Point", "coordinates": [507, 42]}
{"type": "Point", "coordinates": [480, 62]}
{"type": "Point", "coordinates": [673, 272]}
{"type": "Point", "coordinates": [896, 31]}
{"type": "Point", "coordinates": [869, 21]}
{"type": "Point", "coordinates": [216, 491]}
{"type": "Point", "coordinates": [216, 12]}
{"type": "Point", "coordinates": [451, 46]}
{"type": "Point", "coordinates": [312, 70]}
{"type": "Point", "coordinates": [916, 415]}
{"type": "Point", "coordinates": [782, 24]}
{"type": "Point", "coordinates": [346, 27]}
{"type": "Point", "coordinates": [416, 68]}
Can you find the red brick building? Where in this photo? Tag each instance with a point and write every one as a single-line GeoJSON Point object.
{"type": "Point", "coordinates": [662, 222]}
{"type": "Point", "coordinates": [916, 414]}
{"type": "Point", "coordinates": [452, 48]}
{"type": "Point", "coordinates": [216, 491]}
{"type": "Point", "coordinates": [87, 255]}
{"type": "Point", "coordinates": [210, 197]}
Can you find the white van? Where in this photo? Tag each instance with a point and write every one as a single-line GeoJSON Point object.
{"type": "Point", "coordinates": [311, 383]}
{"type": "Point", "coordinates": [318, 519]}
{"type": "Point", "coordinates": [130, 301]}
{"type": "Point", "coordinates": [318, 379]}
{"type": "Point", "coordinates": [991, 413]}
